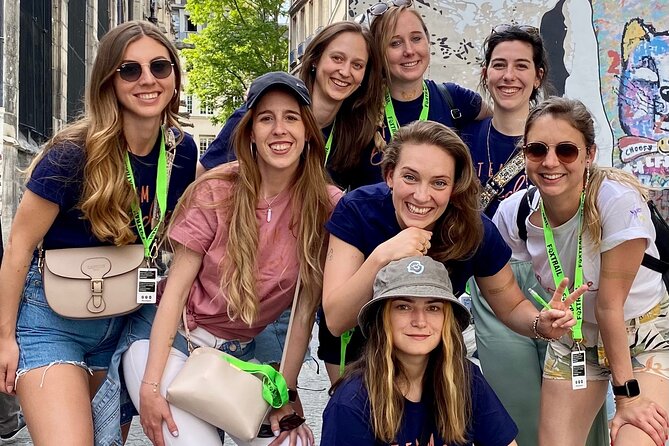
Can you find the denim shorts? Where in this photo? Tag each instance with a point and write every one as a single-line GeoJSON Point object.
{"type": "Point", "coordinates": [648, 341]}
{"type": "Point", "coordinates": [45, 338]}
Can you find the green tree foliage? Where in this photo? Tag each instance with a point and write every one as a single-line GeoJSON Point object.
{"type": "Point", "coordinates": [241, 40]}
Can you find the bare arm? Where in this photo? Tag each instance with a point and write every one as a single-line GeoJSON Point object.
{"type": "Point", "coordinates": [619, 268]}
{"type": "Point", "coordinates": [348, 278]}
{"type": "Point", "coordinates": [33, 219]}
{"type": "Point", "coordinates": [510, 306]}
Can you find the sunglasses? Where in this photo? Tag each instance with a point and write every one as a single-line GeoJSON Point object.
{"type": "Point", "coordinates": [131, 71]}
{"type": "Point", "coordinates": [287, 423]}
{"type": "Point", "coordinates": [529, 29]}
{"type": "Point", "coordinates": [380, 8]}
{"type": "Point", "coordinates": [567, 152]}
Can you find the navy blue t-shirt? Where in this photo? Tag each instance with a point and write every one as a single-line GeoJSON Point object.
{"type": "Point", "coordinates": [368, 170]}
{"type": "Point", "coordinates": [483, 139]}
{"type": "Point", "coordinates": [346, 419]}
{"type": "Point", "coordinates": [467, 101]}
{"type": "Point", "coordinates": [365, 218]}
{"type": "Point", "coordinates": [58, 178]}
{"type": "Point", "coordinates": [221, 149]}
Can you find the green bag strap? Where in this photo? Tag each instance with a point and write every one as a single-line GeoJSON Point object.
{"type": "Point", "coordinates": [345, 338]}
{"type": "Point", "coordinates": [274, 387]}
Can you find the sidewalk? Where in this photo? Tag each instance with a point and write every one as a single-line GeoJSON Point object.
{"type": "Point", "coordinates": [313, 393]}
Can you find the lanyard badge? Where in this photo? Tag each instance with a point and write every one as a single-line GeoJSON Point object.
{"type": "Point", "coordinates": [578, 366]}
{"type": "Point", "coordinates": [147, 278]}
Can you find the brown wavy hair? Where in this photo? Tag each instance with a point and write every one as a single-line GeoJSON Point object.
{"type": "Point", "coordinates": [459, 231]}
{"type": "Point", "coordinates": [446, 383]}
{"type": "Point", "coordinates": [107, 196]}
{"type": "Point", "coordinates": [311, 208]}
{"type": "Point", "coordinates": [359, 115]}
{"type": "Point", "coordinates": [576, 114]}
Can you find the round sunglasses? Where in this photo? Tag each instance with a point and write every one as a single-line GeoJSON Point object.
{"type": "Point", "coordinates": [567, 152]}
{"type": "Point", "coordinates": [131, 71]}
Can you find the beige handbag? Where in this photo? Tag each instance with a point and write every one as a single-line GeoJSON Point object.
{"type": "Point", "coordinates": [213, 387]}
{"type": "Point", "coordinates": [92, 283]}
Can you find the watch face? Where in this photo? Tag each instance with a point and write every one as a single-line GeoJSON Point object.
{"type": "Point", "coordinates": [632, 387]}
{"type": "Point", "coordinates": [629, 389]}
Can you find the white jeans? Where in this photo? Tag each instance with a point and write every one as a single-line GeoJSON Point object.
{"type": "Point", "coordinates": [192, 430]}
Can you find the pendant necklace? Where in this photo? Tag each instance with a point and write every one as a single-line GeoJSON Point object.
{"type": "Point", "coordinates": [269, 206]}
{"type": "Point", "coordinates": [487, 141]}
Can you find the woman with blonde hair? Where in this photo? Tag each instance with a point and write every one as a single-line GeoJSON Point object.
{"type": "Point", "coordinates": [241, 234]}
{"type": "Point", "coordinates": [595, 223]}
{"type": "Point", "coordinates": [413, 385]}
{"type": "Point", "coordinates": [93, 184]}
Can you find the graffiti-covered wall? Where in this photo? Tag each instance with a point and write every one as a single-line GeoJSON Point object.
{"type": "Point", "coordinates": [612, 55]}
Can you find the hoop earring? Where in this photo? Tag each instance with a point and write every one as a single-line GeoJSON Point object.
{"type": "Point", "coordinates": [313, 68]}
{"type": "Point", "coordinates": [527, 194]}
{"type": "Point", "coordinates": [254, 152]}
{"type": "Point", "coordinates": [175, 93]}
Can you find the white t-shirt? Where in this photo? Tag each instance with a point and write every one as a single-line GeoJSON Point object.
{"type": "Point", "coordinates": [624, 215]}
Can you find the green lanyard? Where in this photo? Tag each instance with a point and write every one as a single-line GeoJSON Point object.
{"type": "Point", "coordinates": [391, 118]}
{"type": "Point", "coordinates": [161, 198]}
{"type": "Point", "coordinates": [345, 339]}
{"type": "Point", "coordinates": [558, 272]}
{"type": "Point", "coordinates": [328, 144]}
{"type": "Point", "coordinates": [274, 387]}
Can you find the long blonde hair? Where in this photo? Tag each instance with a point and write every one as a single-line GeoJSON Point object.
{"type": "Point", "coordinates": [446, 383]}
{"type": "Point", "coordinates": [311, 207]}
{"type": "Point", "coordinates": [107, 196]}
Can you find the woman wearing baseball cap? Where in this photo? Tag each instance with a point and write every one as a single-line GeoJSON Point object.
{"type": "Point", "coordinates": [413, 385]}
{"type": "Point", "coordinates": [241, 234]}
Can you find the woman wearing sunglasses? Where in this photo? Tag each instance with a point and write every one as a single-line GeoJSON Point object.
{"type": "Point", "coordinates": [79, 195]}
{"type": "Point", "coordinates": [241, 234]}
{"type": "Point", "coordinates": [593, 224]}
{"type": "Point", "coordinates": [341, 67]}
{"type": "Point", "coordinates": [413, 385]}
{"type": "Point", "coordinates": [515, 69]}
{"type": "Point", "coordinates": [428, 205]}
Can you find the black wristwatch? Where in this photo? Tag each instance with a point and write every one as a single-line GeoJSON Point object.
{"type": "Point", "coordinates": [629, 389]}
{"type": "Point", "coordinates": [292, 395]}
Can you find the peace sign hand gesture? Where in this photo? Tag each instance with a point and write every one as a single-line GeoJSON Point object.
{"type": "Point", "coordinates": [558, 320]}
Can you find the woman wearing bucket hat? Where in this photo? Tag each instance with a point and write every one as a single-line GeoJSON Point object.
{"type": "Point", "coordinates": [241, 234]}
{"type": "Point", "coordinates": [429, 206]}
{"type": "Point", "coordinates": [413, 385]}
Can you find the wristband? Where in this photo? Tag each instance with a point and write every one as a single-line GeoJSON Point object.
{"type": "Point", "coordinates": [535, 330]}
{"type": "Point", "coordinates": [152, 384]}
